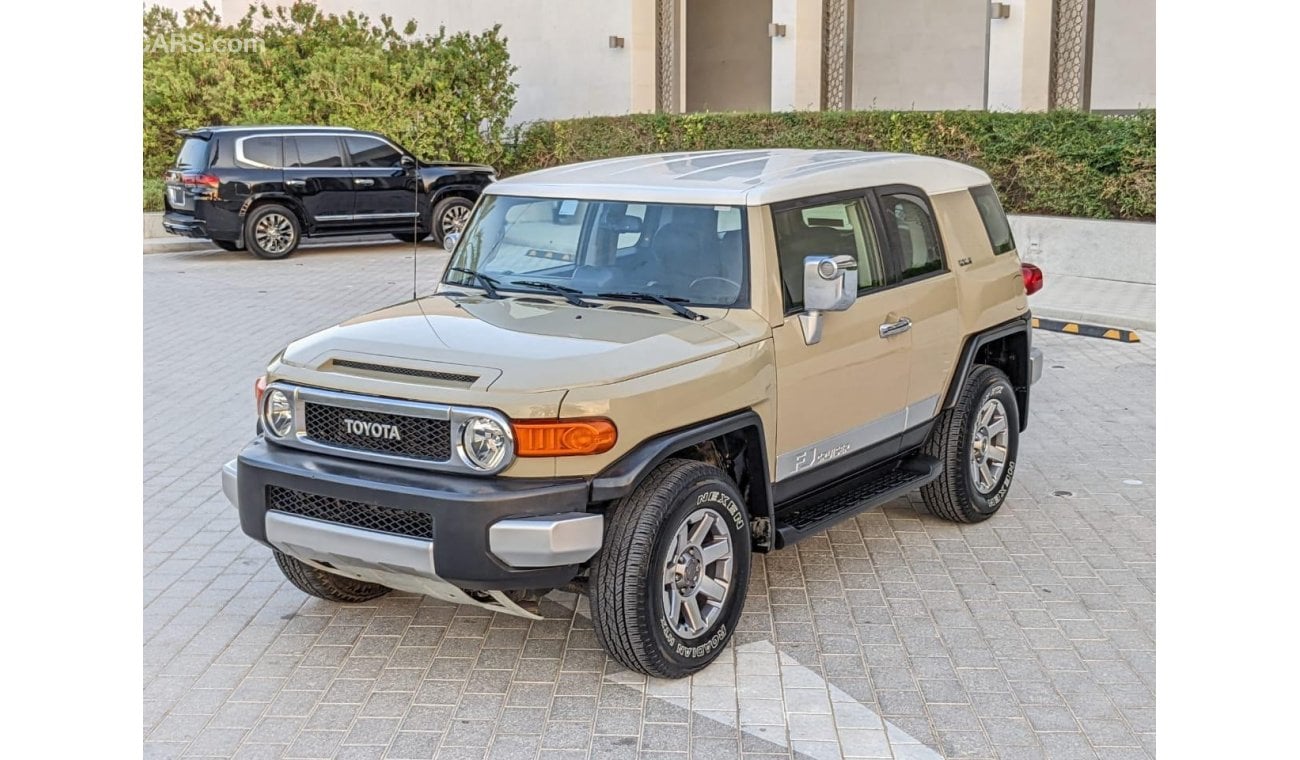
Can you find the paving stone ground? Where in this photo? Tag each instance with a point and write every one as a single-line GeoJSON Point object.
{"type": "Point", "coordinates": [894, 634]}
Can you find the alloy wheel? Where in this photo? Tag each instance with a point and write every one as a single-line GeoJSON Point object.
{"type": "Point", "coordinates": [274, 233]}
{"type": "Point", "coordinates": [988, 455]}
{"type": "Point", "coordinates": [697, 573]}
{"type": "Point", "coordinates": [453, 219]}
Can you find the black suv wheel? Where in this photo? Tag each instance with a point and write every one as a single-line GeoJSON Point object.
{"type": "Point", "coordinates": [272, 231]}
{"type": "Point", "coordinates": [450, 215]}
{"type": "Point", "coordinates": [977, 441]}
{"type": "Point", "coordinates": [669, 585]}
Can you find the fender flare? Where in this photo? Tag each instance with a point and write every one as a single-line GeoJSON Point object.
{"type": "Point", "coordinates": [1019, 326]}
{"type": "Point", "coordinates": [622, 477]}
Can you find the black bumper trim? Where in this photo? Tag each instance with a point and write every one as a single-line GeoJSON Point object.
{"type": "Point", "coordinates": [462, 507]}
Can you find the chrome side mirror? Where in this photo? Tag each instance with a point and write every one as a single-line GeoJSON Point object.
{"type": "Point", "coordinates": [449, 242]}
{"type": "Point", "coordinates": [830, 283]}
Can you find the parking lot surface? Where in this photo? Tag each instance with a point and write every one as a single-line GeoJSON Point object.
{"type": "Point", "coordinates": [893, 635]}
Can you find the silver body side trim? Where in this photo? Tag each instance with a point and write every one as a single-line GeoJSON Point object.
{"type": "Point", "coordinates": [357, 217]}
{"type": "Point", "coordinates": [398, 562]}
{"type": "Point", "coordinates": [829, 449]}
{"type": "Point", "coordinates": [546, 541]}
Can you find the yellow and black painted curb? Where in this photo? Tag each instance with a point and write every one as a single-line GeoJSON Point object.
{"type": "Point", "coordinates": [1090, 331]}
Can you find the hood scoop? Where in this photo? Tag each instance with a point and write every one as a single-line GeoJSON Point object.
{"type": "Point", "coordinates": [434, 377]}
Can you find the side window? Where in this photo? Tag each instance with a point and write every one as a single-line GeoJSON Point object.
{"type": "Point", "coordinates": [907, 220]}
{"type": "Point", "coordinates": [369, 152]}
{"type": "Point", "coordinates": [834, 228]}
{"type": "Point", "coordinates": [995, 220]}
{"type": "Point", "coordinates": [263, 151]}
{"type": "Point", "coordinates": [317, 151]}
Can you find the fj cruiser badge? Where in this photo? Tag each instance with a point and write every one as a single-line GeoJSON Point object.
{"type": "Point", "coordinates": [372, 429]}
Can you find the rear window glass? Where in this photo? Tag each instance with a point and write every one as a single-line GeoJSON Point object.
{"type": "Point", "coordinates": [263, 150]}
{"type": "Point", "coordinates": [318, 151]}
{"type": "Point", "coordinates": [995, 220]}
{"type": "Point", "coordinates": [193, 155]}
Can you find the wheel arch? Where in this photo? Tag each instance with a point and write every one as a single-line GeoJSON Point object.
{"type": "Point", "coordinates": [263, 199]}
{"type": "Point", "coordinates": [734, 443]}
{"type": "Point", "coordinates": [1006, 346]}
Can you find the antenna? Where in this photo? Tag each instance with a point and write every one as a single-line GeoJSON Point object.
{"type": "Point", "coordinates": [415, 220]}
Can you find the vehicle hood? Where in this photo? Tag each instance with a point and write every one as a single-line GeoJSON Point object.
{"type": "Point", "coordinates": [525, 344]}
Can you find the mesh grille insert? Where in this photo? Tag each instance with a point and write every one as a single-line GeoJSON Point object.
{"type": "Point", "coordinates": [394, 434]}
{"type": "Point", "coordinates": [402, 522]}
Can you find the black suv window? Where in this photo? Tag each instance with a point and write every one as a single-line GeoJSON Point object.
{"type": "Point", "coordinates": [264, 151]}
{"type": "Point", "coordinates": [317, 151]}
{"type": "Point", "coordinates": [995, 219]}
{"type": "Point", "coordinates": [193, 155]}
{"type": "Point", "coordinates": [371, 152]}
{"type": "Point", "coordinates": [907, 221]}
{"type": "Point", "coordinates": [825, 228]}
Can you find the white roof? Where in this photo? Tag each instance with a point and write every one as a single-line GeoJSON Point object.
{"type": "Point", "coordinates": [739, 177]}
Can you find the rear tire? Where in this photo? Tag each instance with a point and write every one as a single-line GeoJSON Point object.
{"type": "Point", "coordinates": [228, 245]}
{"type": "Point", "coordinates": [678, 542]}
{"type": "Point", "coordinates": [328, 586]}
{"type": "Point", "coordinates": [449, 215]}
{"type": "Point", "coordinates": [272, 231]}
{"type": "Point", "coordinates": [977, 441]}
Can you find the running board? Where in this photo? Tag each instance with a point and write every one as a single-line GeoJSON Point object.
{"type": "Point", "coordinates": [818, 511]}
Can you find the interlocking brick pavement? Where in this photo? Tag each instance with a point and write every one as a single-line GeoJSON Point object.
{"type": "Point", "coordinates": [892, 635]}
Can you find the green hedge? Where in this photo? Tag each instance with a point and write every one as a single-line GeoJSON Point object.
{"type": "Point", "coordinates": [442, 96]}
{"type": "Point", "coordinates": [1061, 163]}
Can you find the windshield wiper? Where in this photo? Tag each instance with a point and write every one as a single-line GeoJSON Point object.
{"type": "Point", "coordinates": [568, 294]}
{"type": "Point", "coordinates": [489, 284]}
{"type": "Point", "coordinates": [672, 303]}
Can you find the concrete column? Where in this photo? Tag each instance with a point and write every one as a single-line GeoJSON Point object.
{"type": "Point", "coordinates": [641, 44]}
{"type": "Point", "coordinates": [1036, 71]}
{"type": "Point", "coordinates": [797, 57]}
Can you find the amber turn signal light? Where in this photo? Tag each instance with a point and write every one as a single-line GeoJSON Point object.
{"type": "Point", "coordinates": [259, 388]}
{"type": "Point", "coordinates": [563, 438]}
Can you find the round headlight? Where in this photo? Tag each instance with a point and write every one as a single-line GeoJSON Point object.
{"type": "Point", "coordinates": [485, 442]}
{"type": "Point", "coordinates": [277, 413]}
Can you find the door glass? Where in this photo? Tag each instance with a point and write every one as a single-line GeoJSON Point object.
{"type": "Point", "coordinates": [825, 229]}
{"type": "Point", "coordinates": [262, 151]}
{"type": "Point", "coordinates": [918, 243]}
{"type": "Point", "coordinates": [369, 152]}
{"type": "Point", "coordinates": [318, 151]}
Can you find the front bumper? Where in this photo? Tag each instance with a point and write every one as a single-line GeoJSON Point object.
{"type": "Point", "coordinates": [488, 534]}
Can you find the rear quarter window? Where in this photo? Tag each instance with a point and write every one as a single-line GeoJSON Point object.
{"type": "Point", "coordinates": [995, 220]}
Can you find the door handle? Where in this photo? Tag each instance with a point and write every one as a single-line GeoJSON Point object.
{"type": "Point", "coordinates": [362, 182]}
{"type": "Point", "coordinates": [296, 184]}
{"type": "Point", "coordinates": [895, 328]}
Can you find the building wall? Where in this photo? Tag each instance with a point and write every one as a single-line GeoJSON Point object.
{"type": "Point", "coordinates": [1124, 55]}
{"type": "Point", "coordinates": [919, 54]}
{"type": "Point", "coordinates": [728, 55]}
{"type": "Point", "coordinates": [566, 67]}
{"type": "Point", "coordinates": [1006, 58]}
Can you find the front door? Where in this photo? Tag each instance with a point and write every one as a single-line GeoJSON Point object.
{"type": "Point", "coordinates": [385, 192]}
{"type": "Point", "coordinates": [314, 173]}
{"type": "Point", "coordinates": [846, 395]}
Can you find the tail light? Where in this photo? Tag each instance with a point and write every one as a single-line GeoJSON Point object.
{"type": "Point", "coordinates": [564, 438]}
{"type": "Point", "coordinates": [1033, 278]}
{"type": "Point", "coordinates": [200, 181]}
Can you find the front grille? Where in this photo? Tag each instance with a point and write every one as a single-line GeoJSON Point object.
{"type": "Point", "coordinates": [417, 437]}
{"type": "Point", "coordinates": [402, 522]}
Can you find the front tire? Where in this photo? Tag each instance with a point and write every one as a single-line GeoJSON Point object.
{"type": "Point", "coordinates": [669, 585]}
{"type": "Point", "coordinates": [328, 586]}
{"type": "Point", "coordinates": [977, 441]}
{"type": "Point", "coordinates": [272, 232]}
{"type": "Point", "coordinates": [449, 215]}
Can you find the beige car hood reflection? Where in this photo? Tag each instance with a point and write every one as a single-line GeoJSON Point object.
{"type": "Point", "coordinates": [532, 343]}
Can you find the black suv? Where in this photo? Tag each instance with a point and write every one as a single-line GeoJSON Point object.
{"type": "Point", "coordinates": [265, 188]}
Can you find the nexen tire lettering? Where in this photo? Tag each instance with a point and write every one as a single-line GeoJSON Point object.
{"type": "Point", "coordinates": [718, 497]}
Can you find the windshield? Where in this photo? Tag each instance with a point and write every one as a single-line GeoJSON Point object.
{"type": "Point", "coordinates": [687, 253]}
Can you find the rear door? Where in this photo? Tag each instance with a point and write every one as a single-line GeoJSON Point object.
{"type": "Point", "coordinates": [927, 287]}
{"type": "Point", "coordinates": [315, 173]}
{"type": "Point", "coordinates": [384, 193]}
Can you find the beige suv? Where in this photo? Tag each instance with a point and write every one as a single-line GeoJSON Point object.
{"type": "Point", "coordinates": [637, 372]}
